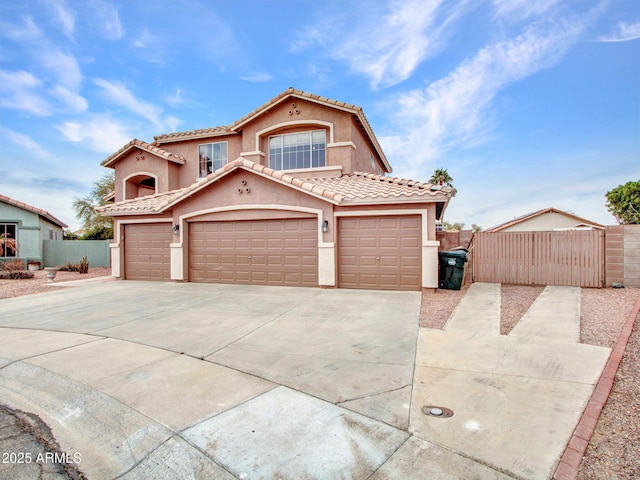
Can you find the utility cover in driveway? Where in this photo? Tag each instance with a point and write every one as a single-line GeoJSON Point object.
{"type": "Point", "coordinates": [256, 252]}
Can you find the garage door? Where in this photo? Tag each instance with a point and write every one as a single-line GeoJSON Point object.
{"type": "Point", "coordinates": [380, 252]}
{"type": "Point", "coordinates": [264, 252]}
{"type": "Point", "coordinates": [146, 251]}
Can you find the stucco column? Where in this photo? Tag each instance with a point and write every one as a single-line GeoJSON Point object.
{"type": "Point", "coordinates": [116, 270]}
{"type": "Point", "coordinates": [327, 264]}
{"type": "Point", "coordinates": [430, 263]}
{"type": "Point", "coordinates": [177, 262]}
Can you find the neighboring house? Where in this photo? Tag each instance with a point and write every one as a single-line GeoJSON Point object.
{"type": "Point", "coordinates": [548, 219]}
{"type": "Point", "coordinates": [294, 193]}
{"type": "Point", "coordinates": [29, 226]}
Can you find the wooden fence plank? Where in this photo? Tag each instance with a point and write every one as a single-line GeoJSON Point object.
{"type": "Point", "coordinates": [572, 257]}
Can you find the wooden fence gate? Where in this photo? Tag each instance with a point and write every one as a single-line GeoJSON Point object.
{"type": "Point", "coordinates": [572, 257]}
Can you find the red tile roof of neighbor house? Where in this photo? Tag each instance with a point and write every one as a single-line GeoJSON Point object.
{"type": "Point", "coordinates": [36, 210]}
{"type": "Point", "coordinates": [356, 111]}
{"type": "Point", "coordinates": [353, 188]}
{"type": "Point", "coordinates": [528, 216]}
{"type": "Point", "coordinates": [147, 147]}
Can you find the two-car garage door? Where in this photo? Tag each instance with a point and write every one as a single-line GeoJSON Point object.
{"type": "Point", "coordinates": [259, 252]}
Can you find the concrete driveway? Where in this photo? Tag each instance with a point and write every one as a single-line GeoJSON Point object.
{"type": "Point", "coordinates": [165, 380]}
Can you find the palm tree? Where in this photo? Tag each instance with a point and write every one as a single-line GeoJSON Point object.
{"type": "Point", "coordinates": [440, 177]}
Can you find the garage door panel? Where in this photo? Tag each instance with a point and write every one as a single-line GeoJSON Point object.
{"type": "Point", "coordinates": [147, 251]}
{"type": "Point", "coordinates": [380, 252]}
{"type": "Point", "coordinates": [263, 252]}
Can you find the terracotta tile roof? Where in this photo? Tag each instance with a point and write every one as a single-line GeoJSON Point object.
{"type": "Point", "coordinates": [192, 134]}
{"type": "Point", "coordinates": [147, 147]}
{"type": "Point", "coordinates": [360, 186]}
{"type": "Point", "coordinates": [30, 208]}
{"type": "Point", "coordinates": [351, 188]}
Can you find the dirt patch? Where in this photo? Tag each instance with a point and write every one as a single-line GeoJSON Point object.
{"type": "Point", "coordinates": [437, 307]}
{"type": "Point", "coordinates": [39, 283]}
{"type": "Point", "coordinates": [515, 301]}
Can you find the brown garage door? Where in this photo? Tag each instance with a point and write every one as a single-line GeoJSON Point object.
{"type": "Point", "coordinates": [380, 252]}
{"type": "Point", "coordinates": [259, 252]}
{"type": "Point", "coordinates": [147, 253]}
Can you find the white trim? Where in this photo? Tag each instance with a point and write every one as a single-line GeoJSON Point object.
{"type": "Point", "coordinates": [342, 144]}
{"type": "Point", "coordinates": [257, 152]}
{"type": "Point", "coordinates": [314, 169]}
{"type": "Point", "coordinates": [124, 182]}
{"type": "Point", "coordinates": [291, 124]}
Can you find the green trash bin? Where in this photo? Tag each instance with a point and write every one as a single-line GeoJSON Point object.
{"type": "Point", "coordinates": [452, 269]}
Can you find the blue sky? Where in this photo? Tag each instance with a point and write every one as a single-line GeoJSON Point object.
{"type": "Point", "coordinates": [527, 104]}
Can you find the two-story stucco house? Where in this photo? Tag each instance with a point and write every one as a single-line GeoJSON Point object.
{"type": "Point", "coordinates": [294, 193]}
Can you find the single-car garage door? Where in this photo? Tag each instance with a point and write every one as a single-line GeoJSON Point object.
{"type": "Point", "coordinates": [147, 253]}
{"type": "Point", "coordinates": [259, 252]}
{"type": "Point", "coordinates": [380, 252]}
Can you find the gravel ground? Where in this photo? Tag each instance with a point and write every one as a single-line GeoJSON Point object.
{"type": "Point", "coordinates": [39, 283]}
{"type": "Point", "coordinates": [614, 449]}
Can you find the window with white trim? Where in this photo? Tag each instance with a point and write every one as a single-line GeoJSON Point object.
{"type": "Point", "coordinates": [8, 243]}
{"type": "Point", "coordinates": [212, 157]}
{"type": "Point", "coordinates": [298, 150]}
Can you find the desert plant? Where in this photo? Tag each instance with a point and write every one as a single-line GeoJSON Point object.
{"type": "Point", "coordinates": [84, 265]}
{"type": "Point", "coordinates": [69, 267]}
{"type": "Point", "coordinates": [15, 275]}
{"type": "Point", "coordinates": [12, 265]}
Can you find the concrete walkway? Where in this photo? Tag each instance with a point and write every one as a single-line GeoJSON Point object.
{"type": "Point", "coordinates": [478, 311]}
{"type": "Point", "coordinates": [162, 380]}
{"type": "Point", "coordinates": [554, 314]}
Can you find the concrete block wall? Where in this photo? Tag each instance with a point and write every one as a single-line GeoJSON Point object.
{"type": "Point", "coordinates": [59, 252]}
{"type": "Point", "coordinates": [622, 255]}
{"type": "Point", "coordinates": [631, 255]}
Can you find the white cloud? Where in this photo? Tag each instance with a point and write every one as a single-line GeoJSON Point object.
{"type": "Point", "coordinates": [102, 134]}
{"type": "Point", "coordinates": [257, 77]}
{"type": "Point", "coordinates": [65, 16]}
{"type": "Point", "coordinates": [27, 143]}
{"type": "Point", "coordinates": [522, 9]}
{"type": "Point", "coordinates": [176, 98]}
{"type": "Point", "coordinates": [386, 44]}
{"type": "Point", "coordinates": [27, 32]}
{"type": "Point", "coordinates": [74, 101]}
{"type": "Point", "coordinates": [62, 65]}
{"type": "Point", "coordinates": [118, 94]}
{"type": "Point", "coordinates": [107, 19]}
{"type": "Point", "coordinates": [623, 32]}
{"type": "Point", "coordinates": [18, 91]}
{"type": "Point", "coordinates": [453, 111]}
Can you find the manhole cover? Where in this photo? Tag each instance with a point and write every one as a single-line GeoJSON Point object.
{"type": "Point", "coordinates": [438, 412]}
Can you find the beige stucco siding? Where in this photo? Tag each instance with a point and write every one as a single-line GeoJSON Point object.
{"type": "Point", "coordinates": [544, 222]}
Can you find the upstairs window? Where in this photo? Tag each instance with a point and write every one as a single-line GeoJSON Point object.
{"type": "Point", "coordinates": [212, 157]}
{"type": "Point", "coordinates": [298, 150]}
{"type": "Point", "coordinates": [8, 244]}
